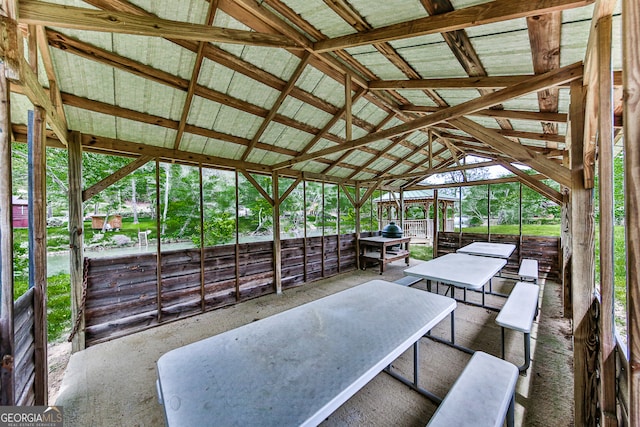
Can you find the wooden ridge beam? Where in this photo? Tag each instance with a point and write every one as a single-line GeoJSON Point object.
{"type": "Point", "coordinates": [556, 77]}
{"type": "Point", "coordinates": [49, 14]}
{"type": "Point", "coordinates": [471, 183]}
{"type": "Point", "coordinates": [486, 13]}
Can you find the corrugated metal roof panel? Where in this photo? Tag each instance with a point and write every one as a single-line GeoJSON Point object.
{"type": "Point", "coordinates": [212, 115]}
{"type": "Point", "coordinates": [20, 106]}
{"type": "Point", "coordinates": [321, 17]}
{"type": "Point", "coordinates": [492, 41]}
{"type": "Point", "coordinates": [84, 78]}
{"type": "Point", "coordinates": [144, 133]}
{"type": "Point", "coordinates": [389, 12]}
{"type": "Point", "coordinates": [430, 56]}
{"type": "Point", "coordinates": [140, 94]}
{"type": "Point", "coordinates": [285, 137]}
{"type": "Point", "coordinates": [91, 123]}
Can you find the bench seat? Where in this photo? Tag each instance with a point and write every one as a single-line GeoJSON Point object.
{"type": "Point", "coordinates": [407, 280]}
{"type": "Point", "coordinates": [518, 314]}
{"type": "Point", "coordinates": [483, 395]}
{"type": "Point", "coordinates": [528, 270]}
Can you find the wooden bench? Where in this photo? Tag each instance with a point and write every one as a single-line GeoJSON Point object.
{"type": "Point", "coordinates": [528, 270]}
{"type": "Point", "coordinates": [407, 280]}
{"type": "Point", "coordinates": [483, 395]}
{"type": "Point", "coordinates": [518, 314]}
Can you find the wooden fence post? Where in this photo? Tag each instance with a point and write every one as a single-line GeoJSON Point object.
{"type": "Point", "coordinates": [7, 376]}
{"type": "Point", "coordinates": [38, 247]}
{"type": "Point", "coordinates": [631, 84]}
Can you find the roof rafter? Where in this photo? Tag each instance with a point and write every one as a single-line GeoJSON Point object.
{"type": "Point", "coordinates": [49, 14]}
{"type": "Point", "coordinates": [507, 114]}
{"type": "Point", "coordinates": [486, 13]}
{"type": "Point", "coordinates": [211, 13]}
{"type": "Point", "coordinates": [512, 149]}
{"type": "Point", "coordinates": [560, 76]}
{"type": "Point", "coordinates": [544, 36]}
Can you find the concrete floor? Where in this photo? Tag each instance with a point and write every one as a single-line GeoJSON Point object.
{"type": "Point", "coordinates": [113, 384]}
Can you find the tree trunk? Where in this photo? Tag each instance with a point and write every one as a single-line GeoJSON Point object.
{"type": "Point", "coordinates": [166, 198]}
{"type": "Point", "coordinates": [134, 203]}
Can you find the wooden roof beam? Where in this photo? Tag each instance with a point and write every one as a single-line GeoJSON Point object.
{"type": "Point", "coordinates": [276, 106]}
{"type": "Point", "coordinates": [471, 183]}
{"type": "Point", "coordinates": [19, 70]}
{"type": "Point", "coordinates": [115, 177]}
{"type": "Point", "coordinates": [486, 13]}
{"type": "Point", "coordinates": [534, 84]}
{"type": "Point", "coordinates": [49, 14]}
{"type": "Point", "coordinates": [507, 114]}
{"type": "Point", "coordinates": [544, 37]}
{"type": "Point", "coordinates": [451, 83]}
{"type": "Point", "coordinates": [534, 184]}
{"type": "Point", "coordinates": [513, 149]}
{"type": "Point", "coordinates": [211, 13]}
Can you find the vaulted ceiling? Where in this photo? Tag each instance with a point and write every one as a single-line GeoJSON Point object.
{"type": "Point", "coordinates": [383, 93]}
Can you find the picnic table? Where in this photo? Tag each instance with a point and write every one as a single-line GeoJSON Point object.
{"type": "Point", "coordinates": [298, 366]}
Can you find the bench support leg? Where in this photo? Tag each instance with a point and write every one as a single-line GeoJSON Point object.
{"type": "Point", "coordinates": [527, 351]}
{"type": "Point", "coordinates": [511, 412]}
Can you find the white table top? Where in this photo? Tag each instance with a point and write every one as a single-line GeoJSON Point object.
{"type": "Point", "coordinates": [296, 367]}
{"type": "Point", "coordinates": [498, 250]}
{"type": "Point", "coordinates": [468, 271]}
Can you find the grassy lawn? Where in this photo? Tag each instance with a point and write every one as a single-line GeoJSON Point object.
{"type": "Point", "coordinates": [58, 304]}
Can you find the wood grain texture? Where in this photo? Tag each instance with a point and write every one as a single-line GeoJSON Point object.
{"type": "Point", "coordinates": [631, 79]}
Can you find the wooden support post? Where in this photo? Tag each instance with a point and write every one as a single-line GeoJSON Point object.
{"type": "Point", "coordinates": [323, 217]}
{"type": "Point", "coordinates": [7, 376]}
{"type": "Point", "coordinates": [435, 223]}
{"type": "Point", "coordinates": [158, 246]}
{"type": "Point", "coordinates": [348, 118]}
{"type": "Point", "coordinates": [582, 272]}
{"type": "Point", "coordinates": [76, 241]}
{"type": "Point", "coordinates": [338, 224]}
{"type": "Point", "coordinates": [608, 416]}
{"type": "Point", "coordinates": [631, 84]}
{"type": "Point", "coordinates": [38, 247]}
{"type": "Point", "coordinates": [357, 208]}
{"type": "Point", "coordinates": [202, 291]}
{"type": "Point", "coordinates": [567, 247]}
{"type": "Point", "coordinates": [304, 240]}
{"type": "Point", "coordinates": [237, 272]}
{"type": "Point", "coordinates": [277, 244]}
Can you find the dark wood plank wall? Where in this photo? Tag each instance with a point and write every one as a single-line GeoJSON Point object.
{"type": "Point", "coordinates": [24, 363]}
{"type": "Point", "coordinates": [546, 250]}
{"type": "Point", "coordinates": [122, 291]}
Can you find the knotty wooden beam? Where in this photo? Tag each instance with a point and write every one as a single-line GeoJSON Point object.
{"type": "Point", "coordinates": [54, 91]}
{"type": "Point", "coordinates": [115, 177]}
{"type": "Point", "coordinates": [76, 240]}
{"type": "Point", "coordinates": [512, 149]}
{"type": "Point", "coordinates": [49, 14]}
{"type": "Point", "coordinates": [544, 37]}
{"type": "Point", "coordinates": [252, 180]}
{"type": "Point", "coordinates": [582, 271]}
{"type": "Point", "coordinates": [18, 69]}
{"type": "Point", "coordinates": [38, 249]}
{"type": "Point", "coordinates": [560, 76]}
{"type": "Point", "coordinates": [274, 109]}
{"type": "Point", "coordinates": [506, 114]}
{"type": "Point", "coordinates": [608, 402]}
{"type": "Point", "coordinates": [211, 13]}
{"type": "Point", "coordinates": [631, 78]}
{"type": "Point", "coordinates": [486, 13]}
{"type": "Point", "coordinates": [534, 184]}
{"type": "Point", "coordinates": [451, 83]}
{"type": "Point", "coordinates": [7, 338]}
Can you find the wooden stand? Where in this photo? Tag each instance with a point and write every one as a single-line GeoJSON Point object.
{"type": "Point", "coordinates": [375, 249]}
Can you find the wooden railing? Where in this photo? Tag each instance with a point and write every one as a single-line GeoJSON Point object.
{"type": "Point", "coordinates": [420, 228]}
